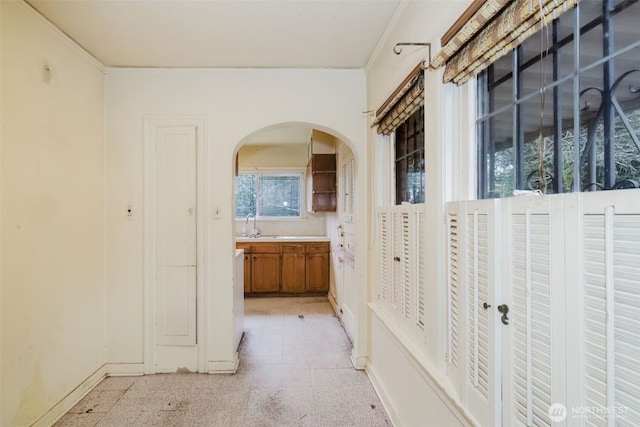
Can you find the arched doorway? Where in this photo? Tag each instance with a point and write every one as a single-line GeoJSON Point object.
{"type": "Point", "coordinates": [287, 149]}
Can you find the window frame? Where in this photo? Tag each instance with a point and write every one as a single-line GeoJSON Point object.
{"type": "Point", "coordinates": [487, 113]}
{"type": "Point", "coordinates": [258, 173]}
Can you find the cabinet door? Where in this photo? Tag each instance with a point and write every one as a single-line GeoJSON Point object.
{"type": "Point", "coordinates": [293, 272]}
{"type": "Point", "coordinates": [317, 272]}
{"type": "Point", "coordinates": [265, 273]}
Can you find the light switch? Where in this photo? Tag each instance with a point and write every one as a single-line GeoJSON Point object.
{"type": "Point", "coordinates": [128, 213]}
{"type": "Point", "coordinates": [217, 213]}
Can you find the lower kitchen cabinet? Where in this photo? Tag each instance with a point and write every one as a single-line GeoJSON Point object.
{"type": "Point", "coordinates": [286, 267]}
{"type": "Point", "coordinates": [317, 272]}
{"type": "Point", "coordinates": [293, 268]}
{"type": "Point", "coordinates": [265, 272]}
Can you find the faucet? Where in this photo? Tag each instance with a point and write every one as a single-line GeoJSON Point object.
{"type": "Point", "coordinates": [254, 230]}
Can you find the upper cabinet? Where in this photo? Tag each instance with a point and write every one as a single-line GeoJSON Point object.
{"type": "Point", "coordinates": [321, 183]}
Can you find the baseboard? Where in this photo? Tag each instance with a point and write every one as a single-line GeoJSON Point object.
{"type": "Point", "coordinates": [358, 362]}
{"type": "Point", "coordinates": [224, 366]}
{"type": "Point", "coordinates": [384, 398]}
{"type": "Point", "coordinates": [124, 369]}
{"type": "Point", "coordinates": [69, 401]}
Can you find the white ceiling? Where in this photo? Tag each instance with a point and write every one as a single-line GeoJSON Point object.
{"type": "Point", "coordinates": [223, 33]}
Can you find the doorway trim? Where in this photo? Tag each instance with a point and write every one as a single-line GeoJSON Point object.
{"type": "Point", "coordinates": [151, 123]}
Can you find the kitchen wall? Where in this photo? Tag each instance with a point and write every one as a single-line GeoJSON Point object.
{"type": "Point", "coordinates": [235, 104]}
{"type": "Point", "coordinates": [423, 364]}
{"type": "Point", "coordinates": [52, 171]}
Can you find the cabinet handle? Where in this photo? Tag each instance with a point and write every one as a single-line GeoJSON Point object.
{"type": "Point", "coordinates": [504, 309]}
{"type": "Point", "coordinates": [396, 258]}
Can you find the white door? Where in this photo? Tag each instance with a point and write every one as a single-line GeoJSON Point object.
{"type": "Point", "coordinates": [175, 231]}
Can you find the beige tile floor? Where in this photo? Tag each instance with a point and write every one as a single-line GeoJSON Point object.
{"type": "Point", "coordinates": [294, 371]}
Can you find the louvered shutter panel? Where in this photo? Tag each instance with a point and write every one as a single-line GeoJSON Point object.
{"type": "Point", "coordinates": [478, 325]}
{"type": "Point", "coordinates": [453, 289]}
{"type": "Point", "coordinates": [455, 308]}
{"type": "Point", "coordinates": [386, 257]}
{"type": "Point", "coordinates": [611, 298]}
{"type": "Point", "coordinates": [531, 319]}
{"type": "Point", "coordinates": [482, 386]}
{"type": "Point", "coordinates": [419, 255]}
{"type": "Point", "coordinates": [402, 256]}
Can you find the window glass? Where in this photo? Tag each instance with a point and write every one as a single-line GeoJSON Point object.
{"type": "Point", "coordinates": [268, 195]}
{"type": "Point", "coordinates": [528, 142]}
{"type": "Point", "coordinates": [409, 161]}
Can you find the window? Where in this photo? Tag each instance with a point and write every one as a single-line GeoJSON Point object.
{"type": "Point", "coordinates": [409, 159]}
{"type": "Point", "coordinates": [268, 195]}
{"type": "Point", "coordinates": [558, 116]}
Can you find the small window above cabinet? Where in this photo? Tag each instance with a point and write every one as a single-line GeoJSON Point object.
{"type": "Point", "coordinates": [321, 183]}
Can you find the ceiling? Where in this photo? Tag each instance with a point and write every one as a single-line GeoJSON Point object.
{"type": "Point", "coordinates": [223, 33]}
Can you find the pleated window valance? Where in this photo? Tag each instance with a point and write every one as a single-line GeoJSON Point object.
{"type": "Point", "coordinates": [494, 29]}
{"type": "Point", "coordinates": [402, 103]}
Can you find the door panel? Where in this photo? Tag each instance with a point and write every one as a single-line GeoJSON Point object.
{"type": "Point", "coordinates": [534, 341]}
{"type": "Point", "coordinates": [482, 382]}
{"type": "Point", "coordinates": [175, 196]}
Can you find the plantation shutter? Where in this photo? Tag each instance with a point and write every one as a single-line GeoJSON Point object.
{"type": "Point", "coordinates": [531, 319]}
{"type": "Point", "coordinates": [482, 382]}
{"type": "Point", "coordinates": [419, 255]}
{"type": "Point", "coordinates": [386, 258]}
{"type": "Point", "coordinates": [402, 259]}
{"type": "Point", "coordinates": [455, 315]}
{"type": "Point", "coordinates": [535, 341]}
{"type": "Point", "coordinates": [495, 28]}
{"type": "Point", "coordinates": [611, 297]}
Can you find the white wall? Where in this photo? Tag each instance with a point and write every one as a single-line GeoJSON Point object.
{"type": "Point", "coordinates": [235, 104]}
{"type": "Point", "coordinates": [53, 287]}
{"type": "Point", "coordinates": [385, 71]}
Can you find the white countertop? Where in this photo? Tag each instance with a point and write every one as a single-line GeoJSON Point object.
{"type": "Point", "coordinates": [282, 239]}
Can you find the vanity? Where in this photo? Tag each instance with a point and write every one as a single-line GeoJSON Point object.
{"type": "Point", "coordinates": [285, 264]}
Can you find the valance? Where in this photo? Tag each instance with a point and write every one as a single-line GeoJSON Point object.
{"type": "Point", "coordinates": [506, 25]}
{"type": "Point", "coordinates": [404, 101]}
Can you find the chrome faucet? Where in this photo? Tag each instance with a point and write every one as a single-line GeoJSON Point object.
{"type": "Point", "coordinates": [254, 230]}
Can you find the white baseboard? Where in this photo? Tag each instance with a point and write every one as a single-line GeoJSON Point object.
{"type": "Point", "coordinates": [69, 401]}
{"type": "Point", "coordinates": [124, 369]}
{"type": "Point", "coordinates": [384, 397]}
{"type": "Point", "coordinates": [224, 366]}
{"type": "Point", "coordinates": [359, 362]}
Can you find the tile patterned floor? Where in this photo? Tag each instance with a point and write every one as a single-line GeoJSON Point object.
{"type": "Point", "coordinates": [294, 371]}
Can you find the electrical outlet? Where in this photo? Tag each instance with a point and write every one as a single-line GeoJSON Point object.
{"type": "Point", "coordinates": [128, 213]}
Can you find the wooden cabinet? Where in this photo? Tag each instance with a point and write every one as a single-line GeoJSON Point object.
{"type": "Point", "coordinates": [317, 267]}
{"type": "Point", "coordinates": [265, 272]}
{"type": "Point", "coordinates": [293, 267]}
{"type": "Point", "coordinates": [265, 267]}
{"type": "Point", "coordinates": [285, 267]}
{"type": "Point", "coordinates": [321, 183]}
